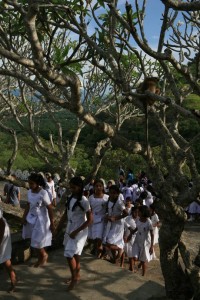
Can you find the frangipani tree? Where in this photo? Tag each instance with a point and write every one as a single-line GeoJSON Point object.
{"type": "Point", "coordinates": [111, 36]}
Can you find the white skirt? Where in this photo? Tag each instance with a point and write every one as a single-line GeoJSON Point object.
{"type": "Point", "coordinates": [5, 247]}
{"type": "Point", "coordinates": [39, 233]}
{"type": "Point", "coordinates": [114, 234]}
{"type": "Point", "coordinates": [75, 246]}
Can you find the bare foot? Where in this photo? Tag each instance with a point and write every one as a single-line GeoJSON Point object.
{"type": "Point", "coordinates": [139, 265]}
{"type": "Point", "coordinates": [13, 286]}
{"type": "Point", "coordinates": [67, 281]}
{"type": "Point", "coordinates": [42, 262]}
{"type": "Point", "coordinates": [12, 289]}
{"type": "Point", "coordinates": [36, 265]}
{"type": "Point", "coordinates": [130, 269]}
{"type": "Point", "coordinates": [72, 285]}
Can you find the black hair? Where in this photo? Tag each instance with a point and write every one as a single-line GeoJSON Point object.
{"type": "Point", "coordinates": [134, 208]}
{"type": "Point", "coordinates": [38, 179]}
{"type": "Point", "coordinates": [115, 188]}
{"type": "Point", "coordinates": [128, 199]}
{"type": "Point", "coordinates": [151, 190]}
{"type": "Point", "coordinates": [98, 181]}
{"type": "Point", "coordinates": [152, 206]}
{"type": "Point", "coordinates": [144, 210]}
{"type": "Point", "coordinates": [134, 181]}
{"type": "Point", "coordinates": [143, 195]}
{"type": "Point", "coordinates": [78, 182]}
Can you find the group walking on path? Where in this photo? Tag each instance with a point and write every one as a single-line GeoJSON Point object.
{"type": "Point", "coordinates": [114, 222]}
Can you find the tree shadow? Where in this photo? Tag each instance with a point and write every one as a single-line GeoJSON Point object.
{"type": "Point", "coordinates": [100, 280]}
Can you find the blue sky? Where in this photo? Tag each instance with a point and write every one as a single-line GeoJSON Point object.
{"type": "Point", "coordinates": [154, 10]}
{"type": "Point", "coordinates": [152, 24]}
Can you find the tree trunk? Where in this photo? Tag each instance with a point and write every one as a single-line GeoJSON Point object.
{"type": "Point", "coordinates": [177, 281]}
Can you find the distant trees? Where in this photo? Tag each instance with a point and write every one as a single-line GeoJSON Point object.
{"type": "Point", "coordinates": [50, 46]}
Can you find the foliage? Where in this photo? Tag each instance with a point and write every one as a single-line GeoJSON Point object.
{"type": "Point", "coordinates": [119, 157]}
{"type": "Point", "coordinates": [81, 161]}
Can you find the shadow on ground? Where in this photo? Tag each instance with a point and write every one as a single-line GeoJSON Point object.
{"type": "Point", "coordinates": [100, 280]}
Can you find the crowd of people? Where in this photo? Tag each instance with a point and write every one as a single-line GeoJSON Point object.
{"type": "Point", "coordinates": [117, 220]}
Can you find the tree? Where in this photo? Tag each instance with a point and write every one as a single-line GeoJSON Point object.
{"type": "Point", "coordinates": [29, 34]}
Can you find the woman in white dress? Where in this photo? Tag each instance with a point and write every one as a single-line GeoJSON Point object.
{"type": "Point", "coordinates": [38, 223]}
{"type": "Point", "coordinates": [116, 212]}
{"type": "Point", "coordinates": [98, 203]}
{"type": "Point", "coordinates": [79, 216]}
{"type": "Point", "coordinates": [155, 222]}
{"type": "Point", "coordinates": [5, 251]}
{"type": "Point", "coordinates": [130, 229]}
{"type": "Point", "coordinates": [143, 244]}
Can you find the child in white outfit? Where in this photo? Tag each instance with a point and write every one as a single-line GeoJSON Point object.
{"type": "Point", "coordinates": [143, 244]}
{"type": "Point", "coordinates": [130, 229]}
{"type": "Point", "coordinates": [38, 224]}
{"type": "Point", "coordinates": [116, 212]}
{"type": "Point", "coordinates": [98, 202]}
{"type": "Point", "coordinates": [79, 216]}
{"type": "Point", "coordinates": [5, 251]}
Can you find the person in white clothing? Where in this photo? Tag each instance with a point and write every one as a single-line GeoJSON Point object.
{"type": "Point", "coordinates": [79, 216]}
{"type": "Point", "coordinates": [130, 229]}
{"type": "Point", "coordinates": [38, 223]}
{"type": "Point", "coordinates": [127, 191]}
{"type": "Point", "coordinates": [149, 199]}
{"type": "Point", "coordinates": [128, 205]}
{"type": "Point", "coordinates": [155, 222]}
{"type": "Point", "coordinates": [116, 212]}
{"type": "Point", "coordinates": [193, 210]}
{"type": "Point", "coordinates": [51, 188]}
{"type": "Point", "coordinates": [143, 244]}
{"type": "Point", "coordinates": [98, 203]}
{"type": "Point", "coordinates": [5, 251]}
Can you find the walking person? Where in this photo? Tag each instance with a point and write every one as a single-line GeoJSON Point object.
{"type": "Point", "coordinates": [78, 216]}
{"type": "Point", "coordinates": [116, 212]}
{"type": "Point", "coordinates": [12, 193]}
{"type": "Point", "coordinates": [38, 223]}
{"type": "Point", "coordinates": [143, 244]}
{"type": "Point", "coordinates": [5, 251]}
{"type": "Point", "coordinates": [51, 188]}
{"type": "Point", "coordinates": [98, 203]}
{"type": "Point", "coordinates": [130, 229]}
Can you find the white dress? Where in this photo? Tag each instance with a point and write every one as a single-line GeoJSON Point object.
{"type": "Point", "coordinates": [127, 192]}
{"type": "Point", "coordinates": [135, 193]}
{"type": "Point", "coordinates": [38, 222]}
{"type": "Point", "coordinates": [75, 219]}
{"type": "Point", "coordinates": [98, 206]}
{"type": "Point", "coordinates": [142, 241]}
{"type": "Point", "coordinates": [51, 189]}
{"type": "Point", "coordinates": [149, 199]}
{"type": "Point", "coordinates": [5, 246]}
{"type": "Point", "coordinates": [114, 231]}
{"type": "Point", "coordinates": [129, 209]}
{"type": "Point", "coordinates": [155, 220]}
{"type": "Point", "coordinates": [128, 247]}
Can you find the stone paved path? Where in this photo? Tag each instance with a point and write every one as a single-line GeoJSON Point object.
{"type": "Point", "coordinates": [101, 280]}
